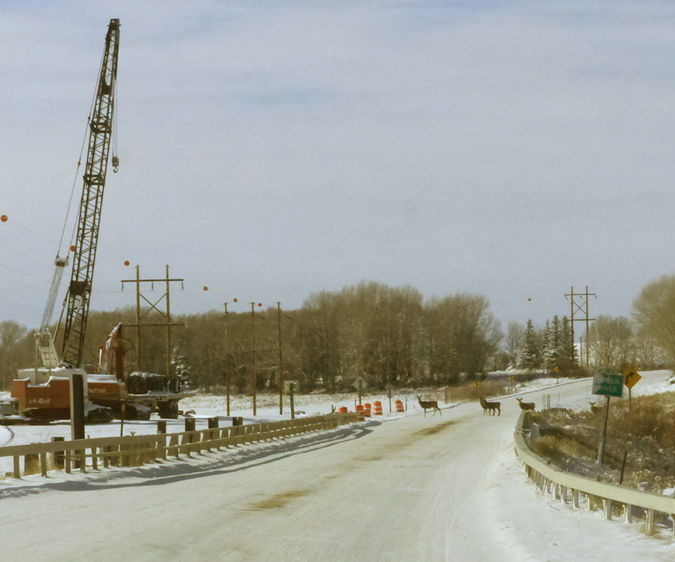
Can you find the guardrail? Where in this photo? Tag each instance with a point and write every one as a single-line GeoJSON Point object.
{"type": "Point", "coordinates": [565, 486]}
{"type": "Point", "coordinates": [135, 450]}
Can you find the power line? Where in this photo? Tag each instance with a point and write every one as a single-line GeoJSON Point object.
{"type": "Point", "coordinates": [579, 303]}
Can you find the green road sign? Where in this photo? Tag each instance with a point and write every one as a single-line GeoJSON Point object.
{"type": "Point", "coordinates": [608, 384]}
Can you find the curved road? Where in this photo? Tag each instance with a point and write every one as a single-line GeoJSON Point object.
{"type": "Point", "coordinates": [412, 488]}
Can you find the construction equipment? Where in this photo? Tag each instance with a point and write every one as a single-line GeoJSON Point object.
{"type": "Point", "coordinates": [100, 122]}
{"type": "Point", "coordinates": [43, 393]}
{"type": "Point", "coordinates": [86, 241]}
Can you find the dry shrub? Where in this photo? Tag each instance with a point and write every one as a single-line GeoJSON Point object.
{"type": "Point", "coordinates": [553, 446]}
{"type": "Point", "coordinates": [469, 393]}
{"type": "Point", "coordinates": [647, 434]}
{"type": "Point", "coordinates": [650, 417]}
{"type": "Point", "coordinates": [547, 446]}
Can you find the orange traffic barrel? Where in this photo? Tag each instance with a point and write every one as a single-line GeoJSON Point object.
{"type": "Point", "coordinates": [366, 409]}
{"type": "Point", "coordinates": [377, 408]}
{"type": "Point", "coordinates": [342, 410]}
{"type": "Point", "coordinates": [399, 406]}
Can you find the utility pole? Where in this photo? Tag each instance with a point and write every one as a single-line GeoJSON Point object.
{"type": "Point", "coordinates": [579, 304]}
{"type": "Point", "coordinates": [166, 314]}
{"type": "Point", "coordinates": [254, 367]}
{"type": "Point", "coordinates": [228, 374]}
{"type": "Point", "coordinates": [281, 371]}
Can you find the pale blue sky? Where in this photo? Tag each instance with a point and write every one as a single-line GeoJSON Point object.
{"type": "Point", "coordinates": [273, 149]}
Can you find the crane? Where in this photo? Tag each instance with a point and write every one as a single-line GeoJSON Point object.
{"type": "Point", "coordinates": [76, 304]}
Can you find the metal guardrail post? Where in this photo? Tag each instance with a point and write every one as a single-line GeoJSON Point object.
{"type": "Point", "coordinates": [650, 522]}
{"type": "Point", "coordinates": [597, 493]}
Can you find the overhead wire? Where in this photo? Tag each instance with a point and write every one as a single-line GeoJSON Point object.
{"type": "Point", "coordinates": [21, 251]}
{"type": "Point", "coordinates": [23, 273]}
{"type": "Point", "coordinates": [17, 284]}
{"type": "Point", "coordinates": [22, 226]}
{"type": "Point", "coordinates": [115, 110]}
{"type": "Point", "coordinates": [61, 262]}
{"type": "Point", "coordinates": [26, 251]}
{"type": "Point", "coordinates": [77, 168]}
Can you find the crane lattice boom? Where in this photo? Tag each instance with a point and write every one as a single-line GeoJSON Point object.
{"type": "Point", "coordinates": [86, 241]}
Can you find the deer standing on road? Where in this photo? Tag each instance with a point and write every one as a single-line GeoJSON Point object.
{"type": "Point", "coordinates": [490, 407]}
{"type": "Point", "coordinates": [525, 405]}
{"type": "Point", "coordinates": [428, 404]}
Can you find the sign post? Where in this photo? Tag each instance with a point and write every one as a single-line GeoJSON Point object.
{"type": "Point", "coordinates": [360, 384]}
{"type": "Point", "coordinates": [77, 383]}
{"type": "Point", "coordinates": [630, 379]}
{"type": "Point", "coordinates": [389, 392]}
{"type": "Point", "coordinates": [606, 384]}
{"type": "Point", "coordinates": [289, 386]}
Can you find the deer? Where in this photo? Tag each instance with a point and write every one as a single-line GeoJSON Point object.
{"type": "Point", "coordinates": [525, 405]}
{"type": "Point", "coordinates": [490, 407]}
{"type": "Point", "coordinates": [429, 404]}
{"type": "Point", "coordinates": [595, 409]}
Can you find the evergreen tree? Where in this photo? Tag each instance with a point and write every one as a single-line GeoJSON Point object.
{"type": "Point", "coordinates": [568, 352]}
{"type": "Point", "coordinates": [555, 342]}
{"type": "Point", "coordinates": [531, 357]}
{"type": "Point", "coordinates": [547, 349]}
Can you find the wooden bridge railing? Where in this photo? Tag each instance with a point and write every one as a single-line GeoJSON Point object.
{"type": "Point", "coordinates": [136, 450]}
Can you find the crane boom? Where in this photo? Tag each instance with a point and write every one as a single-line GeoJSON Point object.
{"type": "Point", "coordinates": [86, 241]}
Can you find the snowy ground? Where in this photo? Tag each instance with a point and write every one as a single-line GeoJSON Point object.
{"type": "Point", "coordinates": [267, 409]}
{"type": "Point", "coordinates": [538, 529]}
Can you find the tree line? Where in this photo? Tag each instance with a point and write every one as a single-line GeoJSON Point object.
{"type": "Point", "coordinates": [646, 340]}
{"type": "Point", "coordinates": [385, 335]}
{"type": "Point", "coordinates": [380, 333]}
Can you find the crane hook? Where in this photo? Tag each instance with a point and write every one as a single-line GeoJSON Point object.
{"type": "Point", "coordinates": [115, 163]}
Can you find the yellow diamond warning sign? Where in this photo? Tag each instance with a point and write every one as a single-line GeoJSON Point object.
{"type": "Point", "coordinates": [630, 377]}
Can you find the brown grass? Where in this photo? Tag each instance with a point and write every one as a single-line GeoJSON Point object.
{"type": "Point", "coordinates": [650, 417]}
{"type": "Point", "coordinates": [646, 433]}
{"type": "Point", "coordinates": [550, 446]}
{"type": "Point", "coordinates": [469, 393]}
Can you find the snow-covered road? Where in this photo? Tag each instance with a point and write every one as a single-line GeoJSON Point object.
{"type": "Point", "coordinates": [411, 488]}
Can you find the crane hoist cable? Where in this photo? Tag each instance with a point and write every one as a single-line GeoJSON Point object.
{"type": "Point", "coordinates": [60, 262]}
{"type": "Point", "coordinates": [114, 132]}
{"type": "Point", "coordinates": [84, 236]}
{"type": "Point", "coordinates": [94, 178]}
{"type": "Point", "coordinates": [85, 136]}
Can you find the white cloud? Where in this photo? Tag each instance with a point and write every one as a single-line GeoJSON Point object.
{"type": "Point", "coordinates": [514, 149]}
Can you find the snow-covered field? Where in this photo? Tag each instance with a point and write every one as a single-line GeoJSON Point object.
{"type": "Point", "coordinates": [267, 409]}
{"type": "Point", "coordinates": [516, 518]}
{"type": "Point", "coordinates": [206, 406]}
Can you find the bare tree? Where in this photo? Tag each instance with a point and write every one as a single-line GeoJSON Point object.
{"type": "Point", "coordinates": [610, 341]}
{"type": "Point", "coordinates": [515, 336]}
{"type": "Point", "coordinates": [16, 347]}
{"type": "Point", "coordinates": [654, 311]}
{"type": "Point", "coordinates": [646, 353]}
